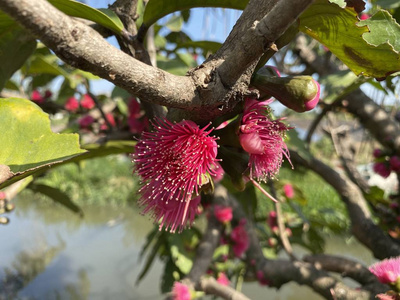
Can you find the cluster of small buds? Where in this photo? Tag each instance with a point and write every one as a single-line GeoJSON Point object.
{"type": "Point", "coordinates": [385, 163]}
{"type": "Point", "coordinates": [39, 97]}
{"type": "Point", "coordinates": [86, 103]}
{"type": "Point", "coordinates": [5, 207]}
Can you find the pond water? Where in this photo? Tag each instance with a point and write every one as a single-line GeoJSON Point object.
{"type": "Point", "coordinates": [46, 252]}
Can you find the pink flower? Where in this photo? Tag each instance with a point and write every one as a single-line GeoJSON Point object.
{"type": "Point", "coordinates": [72, 104]}
{"type": "Point", "coordinates": [2, 195]}
{"type": "Point", "coordinates": [263, 139]}
{"type": "Point", "coordinates": [86, 121]}
{"type": "Point", "coordinates": [240, 238]}
{"type": "Point", "coordinates": [222, 279]}
{"type": "Point", "coordinates": [387, 270]}
{"type": "Point", "coordinates": [381, 169]}
{"type": "Point", "coordinates": [395, 163]}
{"type": "Point", "coordinates": [288, 190]}
{"type": "Point", "coordinates": [37, 97]}
{"type": "Point", "coordinates": [87, 102]}
{"type": "Point", "coordinates": [261, 279]}
{"type": "Point", "coordinates": [180, 291]}
{"type": "Point", "coordinates": [174, 162]}
{"type": "Point", "coordinates": [223, 214]}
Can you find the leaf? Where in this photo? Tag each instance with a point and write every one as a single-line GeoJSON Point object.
{"type": "Point", "coordinates": [150, 258]}
{"type": "Point", "coordinates": [57, 196]}
{"type": "Point", "coordinates": [182, 249]}
{"type": "Point", "coordinates": [206, 46]}
{"type": "Point", "coordinates": [388, 4]}
{"type": "Point", "coordinates": [16, 45]}
{"type": "Point", "coordinates": [175, 23]}
{"type": "Point", "coordinates": [337, 29]}
{"type": "Point", "coordinates": [156, 9]}
{"type": "Point", "coordinates": [28, 144]}
{"type": "Point", "coordinates": [168, 279]}
{"type": "Point", "coordinates": [382, 29]}
{"type": "Point", "coordinates": [104, 17]}
{"type": "Point", "coordinates": [174, 66]}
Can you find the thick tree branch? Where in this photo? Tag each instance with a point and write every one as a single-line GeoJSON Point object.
{"type": "Point", "coordinates": [83, 48]}
{"type": "Point", "coordinates": [347, 268]}
{"type": "Point", "coordinates": [363, 227]}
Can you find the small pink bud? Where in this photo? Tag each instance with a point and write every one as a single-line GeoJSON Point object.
{"type": "Point", "coordinates": [86, 121]}
{"type": "Point", "coordinates": [223, 214]}
{"type": "Point", "coordinates": [222, 279]}
{"type": "Point", "coordinates": [72, 104]}
{"type": "Point", "coordinates": [288, 190]}
{"type": "Point", "coordinates": [395, 163]}
{"type": "Point", "coordinates": [37, 97]}
{"type": "Point", "coordinates": [261, 279]}
{"type": "Point", "coordinates": [381, 169]}
{"type": "Point", "coordinates": [2, 195]}
{"type": "Point", "coordinates": [272, 219]}
{"type": "Point", "coordinates": [87, 102]}
{"type": "Point", "coordinates": [180, 291]}
{"type": "Point", "coordinates": [364, 17]}
{"type": "Point", "coordinates": [377, 153]}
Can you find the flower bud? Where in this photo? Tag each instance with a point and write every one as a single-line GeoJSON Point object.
{"type": "Point", "coordinates": [299, 93]}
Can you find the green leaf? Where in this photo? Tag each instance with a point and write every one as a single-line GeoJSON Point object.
{"type": "Point", "coordinates": [28, 144]}
{"type": "Point", "coordinates": [337, 29]}
{"type": "Point", "coordinates": [104, 17]}
{"type": "Point", "coordinates": [182, 249]}
{"type": "Point", "coordinates": [151, 257]}
{"type": "Point", "coordinates": [175, 23]}
{"type": "Point", "coordinates": [156, 9]}
{"type": "Point", "coordinates": [206, 46]}
{"type": "Point", "coordinates": [175, 66]}
{"type": "Point", "coordinates": [168, 278]}
{"type": "Point", "coordinates": [382, 29]}
{"type": "Point", "coordinates": [16, 45]}
{"type": "Point", "coordinates": [57, 196]}
{"type": "Point", "coordinates": [388, 4]}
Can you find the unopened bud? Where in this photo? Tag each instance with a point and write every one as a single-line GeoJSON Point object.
{"type": "Point", "coordinates": [299, 93]}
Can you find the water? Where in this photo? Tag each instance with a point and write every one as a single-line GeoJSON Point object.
{"type": "Point", "coordinates": [49, 253]}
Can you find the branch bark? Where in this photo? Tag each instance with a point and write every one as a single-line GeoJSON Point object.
{"type": "Point", "coordinates": [363, 228]}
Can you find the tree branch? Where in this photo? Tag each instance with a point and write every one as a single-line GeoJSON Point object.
{"type": "Point", "coordinates": [278, 272]}
{"type": "Point", "coordinates": [363, 227]}
{"type": "Point", "coordinates": [83, 48]}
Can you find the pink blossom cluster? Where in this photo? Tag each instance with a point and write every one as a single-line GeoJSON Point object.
{"type": "Point", "coordinates": [40, 98]}
{"type": "Point", "coordinates": [72, 104]}
{"type": "Point", "coordinates": [385, 164]}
